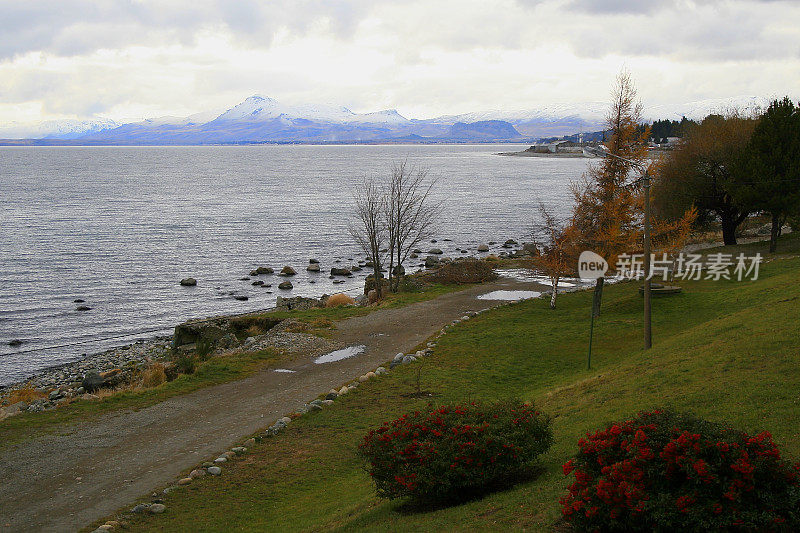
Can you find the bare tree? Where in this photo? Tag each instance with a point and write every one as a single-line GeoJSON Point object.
{"type": "Point", "coordinates": [557, 258]}
{"type": "Point", "coordinates": [410, 215]}
{"type": "Point", "coordinates": [369, 229]}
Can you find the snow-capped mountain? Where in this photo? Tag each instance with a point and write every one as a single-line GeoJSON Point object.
{"type": "Point", "coordinates": [261, 108]}
{"type": "Point", "coordinates": [702, 108]}
{"type": "Point", "coordinates": [56, 129]}
{"type": "Point", "coordinates": [263, 119]}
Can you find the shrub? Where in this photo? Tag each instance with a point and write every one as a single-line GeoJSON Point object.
{"type": "Point", "coordinates": [455, 452]}
{"type": "Point", "coordinates": [203, 349]}
{"type": "Point", "coordinates": [663, 470]}
{"type": "Point", "coordinates": [340, 299]}
{"type": "Point", "coordinates": [464, 271]}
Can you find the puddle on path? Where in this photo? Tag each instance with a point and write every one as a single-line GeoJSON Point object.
{"type": "Point", "coordinates": [338, 355]}
{"type": "Point", "coordinates": [522, 274]}
{"type": "Point", "coordinates": [509, 295]}
{"type": "Point", "coordinates": [284, 370]}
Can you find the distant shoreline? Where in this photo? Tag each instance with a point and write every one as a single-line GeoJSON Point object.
{"type": "Point", "coordinates": [526, 153]}
{"type": "Point", "coordinates": [67, 142]}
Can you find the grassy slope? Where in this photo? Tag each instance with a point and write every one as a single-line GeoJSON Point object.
{"type": "Point", "coordinates": [725, 350]}
{"type": "Point", "coordinates": [213, 372]}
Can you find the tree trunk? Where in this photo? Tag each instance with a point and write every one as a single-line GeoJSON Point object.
{"type": "Point", "coordinates": [554, 281]}
{"type": "Point", "coordinates": [391, 267]}
{"type": "Point", "coordinates": [728, 229]}
{"type": "Point", "coordinates": [376, 272]}
{"type": "Point", "coordinates": [774, 233]}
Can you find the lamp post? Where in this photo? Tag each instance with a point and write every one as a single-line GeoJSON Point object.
{"type": "Point", "coordinates": [645, 179]}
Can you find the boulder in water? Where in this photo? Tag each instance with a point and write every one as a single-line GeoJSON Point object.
{"type": "Point", "coordinates": [188, 282]}
{"type": "Point", "coordinates": [287, 271]}
{"type": "Point", "coordinates": [285, 285]}
{"type": "Point", "coordinates": [261, 270]}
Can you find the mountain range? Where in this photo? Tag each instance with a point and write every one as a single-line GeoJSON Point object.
{"type": "Point", "coordinates": [262, 119]}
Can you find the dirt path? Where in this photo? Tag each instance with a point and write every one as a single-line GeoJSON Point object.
{"type": "Point", "coordinates": [66, 481]}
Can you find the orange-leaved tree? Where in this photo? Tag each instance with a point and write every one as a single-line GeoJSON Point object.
{"type": "Point", "coordinates": [608, 214]}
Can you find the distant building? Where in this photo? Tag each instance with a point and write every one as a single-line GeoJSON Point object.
{"type": "Point", "coordinates": [560, 147]}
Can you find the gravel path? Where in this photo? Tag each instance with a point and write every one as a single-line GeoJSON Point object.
{"type": "Point", "coordinates": [65, 481]}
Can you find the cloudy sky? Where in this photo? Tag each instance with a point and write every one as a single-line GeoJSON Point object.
{"type": "Point", "coordinates": [133, 59]}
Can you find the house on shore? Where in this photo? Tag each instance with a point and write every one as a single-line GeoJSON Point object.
{"type": "Point", "coordinates": [560, 147]}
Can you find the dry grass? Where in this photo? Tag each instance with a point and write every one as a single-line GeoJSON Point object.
{"type": "Point", "coordinates": [338, 300]}
{"type": "Point", "coordinates": [25, 394]}
{"type": "Point", "coordinates": [255, 330]}
{"type": "Point", "coordinates": [153, 376]}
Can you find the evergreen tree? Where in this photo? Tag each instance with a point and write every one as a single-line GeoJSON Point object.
{"type": "Point", "coordinates": [769, 178]}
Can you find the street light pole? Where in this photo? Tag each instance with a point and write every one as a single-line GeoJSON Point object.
{"type": "Point", "coordinates": [645, 179]}
{"type": "Point", "coordinates": [648, 333]}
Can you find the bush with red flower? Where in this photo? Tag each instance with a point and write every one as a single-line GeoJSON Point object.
{"type": "Point", "coordinates": [456, 452]}
{"type": "Point", "coordinates": [664, 470]}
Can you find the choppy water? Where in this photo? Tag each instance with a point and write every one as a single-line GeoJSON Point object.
{"type": "Point", "coordinates": [119, 226]}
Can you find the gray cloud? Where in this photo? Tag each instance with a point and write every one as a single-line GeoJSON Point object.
{"type": "Point", "coordinates": [429, 55]}
{"type": "Point", "coordinates": [74, 27]}
{"type": "Point", "coordinates": [636, 7]}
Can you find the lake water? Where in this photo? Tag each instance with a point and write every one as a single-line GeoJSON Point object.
{"type": "Point", "coordinates": [118, 227]}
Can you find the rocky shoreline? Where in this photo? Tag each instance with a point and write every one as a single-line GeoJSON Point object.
{"type": "Point", "coordinates": [66, 380]}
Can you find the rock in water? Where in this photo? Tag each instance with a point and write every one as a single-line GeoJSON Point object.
{"type": "Point", "coordinates": [83, 308]}
{"type": "Point", "coordinates": [286, 285]}
{"type": "Point", "coordinates": [261, 270]}
{"type": "Point", "coordinates": [313, 267]}
{"type": "Point", "coordinates": [431, 261]}
{"type": "Point", "coordinates": [335, 271]}
{"type": "Point", "coordinates": [288, 271]}
{"type": "Point", "coordinates": [483, 248]}
{"type": "Point", "coordinates": [435, 251]}
{"type": "Point", "coordinates": [14, 343]}
{"type": "Point", "coordinates": [188, 282]}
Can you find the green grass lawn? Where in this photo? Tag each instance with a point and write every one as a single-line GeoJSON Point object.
{"type": "Point", "coordinates": [728, 351]}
